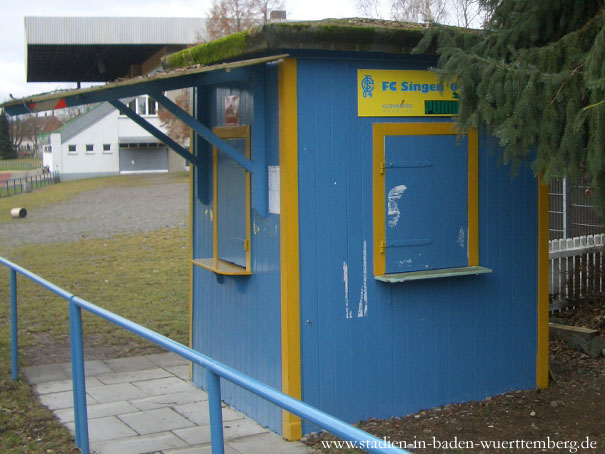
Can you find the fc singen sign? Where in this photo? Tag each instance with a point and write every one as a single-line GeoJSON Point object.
{"type": "Point", "coordinates": [394, 93]}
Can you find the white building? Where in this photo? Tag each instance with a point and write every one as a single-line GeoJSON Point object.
{"type": "Point", "coordinates": [103, 142]}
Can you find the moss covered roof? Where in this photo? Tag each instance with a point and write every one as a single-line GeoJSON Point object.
{"type": "Point", "coordinates": [362, 35]}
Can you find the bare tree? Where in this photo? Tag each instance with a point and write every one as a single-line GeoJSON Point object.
{"type": "Point", "coordinates": [231, 16]}
{"type": "Point", "coordinates": [370, 8]}
{"type": "Point", "coordinates": [467, 13]}
{"type": "Point", "coordinates": [419, 10]}
{"type": "Point", "coordinates": [175, 128]}
{"type": "Point", "coordinates": [463, 13]}
{"type": "Point", "coordinates": [261, 9]}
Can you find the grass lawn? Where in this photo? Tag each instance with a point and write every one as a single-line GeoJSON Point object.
{"type": "Point", "coordinates": [143, 277]}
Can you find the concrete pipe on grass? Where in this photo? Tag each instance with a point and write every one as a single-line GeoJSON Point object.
{"type": "Point", "coordinates": [18, 212]}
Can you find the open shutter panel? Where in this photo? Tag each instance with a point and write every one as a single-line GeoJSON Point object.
{"type": "Point", "coordinates": [426, 218]}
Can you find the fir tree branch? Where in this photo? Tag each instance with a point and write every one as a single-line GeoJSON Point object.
{"type": "Point", "coordinates": [593, 106]}
{"type": "Point", "coordinates": [565, 82]}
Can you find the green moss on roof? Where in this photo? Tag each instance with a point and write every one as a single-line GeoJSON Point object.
{"type": "Point", "coordinates": [329, 34]}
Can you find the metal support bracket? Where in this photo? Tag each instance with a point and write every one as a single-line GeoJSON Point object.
{"type": "Point", "coordinates": [125, 110]}
{"type": "Point", "coordinates": [201, 130]}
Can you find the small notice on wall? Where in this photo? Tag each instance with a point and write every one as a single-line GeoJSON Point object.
{"type": "Point", "coordinates": [274, 189]}
{"type": "Point", "coordinates": [395, 93]}
{"type": "Point", "coordinates": [232, 110]}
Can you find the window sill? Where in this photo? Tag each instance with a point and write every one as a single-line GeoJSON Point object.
{"type": "Point", "coordinates": [221, 267]}
{"type": "Point", "coordinates": [432, 274]}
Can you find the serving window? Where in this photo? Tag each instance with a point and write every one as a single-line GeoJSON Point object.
{"type": "Point", "coordinates": [425, 202]}
{"type": "Point", "coordinates": [230, 207]}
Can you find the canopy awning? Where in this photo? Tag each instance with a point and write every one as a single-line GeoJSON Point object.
{"type": "Point", "coordinates": [155, 85]}
{"type": "Point", "coordinates": [160, 81]}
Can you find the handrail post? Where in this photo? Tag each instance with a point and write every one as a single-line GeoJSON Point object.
{"type": "Point", "coordinates": [216, 412]}
{"type": "Point", "coordinates": [14, 328]}
{"type": "Point", "coordinates": [78, 376]}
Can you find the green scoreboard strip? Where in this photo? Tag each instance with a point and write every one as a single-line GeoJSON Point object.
{"type": "Point", "coordinates": [439, 107]}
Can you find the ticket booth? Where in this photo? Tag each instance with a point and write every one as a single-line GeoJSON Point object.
{"type": "Point", "coordinates": [390, 263]}
{"type": "Point", "coordinates": [351, 247]}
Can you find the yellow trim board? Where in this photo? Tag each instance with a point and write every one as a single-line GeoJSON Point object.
{"type": "Point", "coordinates": [380, 131]}
{"type": "Point", "coordinates": [289, 244]}
{"type": "Point", "coordinates": [542, 297]}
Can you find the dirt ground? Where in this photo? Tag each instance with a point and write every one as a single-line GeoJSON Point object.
{"type": "Point", "coordinates": [571, 411]}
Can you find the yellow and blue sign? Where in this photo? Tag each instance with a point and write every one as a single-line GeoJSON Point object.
{"type": "Point", "coordinates": [395, 93]}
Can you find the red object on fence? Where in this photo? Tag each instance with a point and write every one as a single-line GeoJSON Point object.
{"type": "Point", "coordinates": [5, 176]}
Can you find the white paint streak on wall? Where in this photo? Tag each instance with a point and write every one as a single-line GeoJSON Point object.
{"type": "Point", "coordinates": [362, 311]}
{"type": "Point", "coordinates": [461, 238]}
{"type": "Point", "coordinates": [345, 278]}
{"type": "Point", "coordinates": [392, 206]}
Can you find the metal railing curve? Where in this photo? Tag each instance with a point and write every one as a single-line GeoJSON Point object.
{"type": "Point", "coordinates": [215, 371]}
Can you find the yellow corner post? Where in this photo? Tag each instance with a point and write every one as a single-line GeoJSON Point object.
{"type": "Point", "coordinates": [542, 347]}
{"type": "Point", "coordinates": [289, 244]}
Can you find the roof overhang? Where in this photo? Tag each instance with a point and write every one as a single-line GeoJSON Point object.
{"type": "Point", "coordinates": [157, 82]}
{"type": "Point", "coordinates": [155, 85]}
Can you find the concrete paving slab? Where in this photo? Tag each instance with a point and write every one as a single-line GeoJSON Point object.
{"type": "Point", "coordinates": [107, 428]}
{"type": "Point", "coordinates": [145, 406]}
{"type": "Point", "coordinates": [267, 443]}
{"type": "Point", "coordinates": [167, 359]}
{"type": "Point", "coordinates": [92, 368]}
{"type": "Point", "coordinates": [231, 429]}
{"type": "Point", "coordinates": [130, 364]}
{"type": "Point", "coordinates": [132, 376]}
{"type": "Point", "coordinates": [154, 421]}
{"type": "Point", "coordinates": [63, 385]}
{"type": "Point", "coordinates": [206, 449]}
{"type": "Point", "coordinates": [198, 412]}
{"type": "Point", "coordinates": [97, 411]}
{"type": "Point", "coordinates": [168, 400]}
{"type": "Point", "coordinates": [164, 386]}
{"type": "Point", "coordinates": [117, 392]}
{"type": "Point", "coordinates": [180, 371]}
{"type": "Point", "coordinates": [65, 399]}
{"type": "Point", "coordinates": [45, 373]}
{"type": "Point", "coordinates": [139, 445]}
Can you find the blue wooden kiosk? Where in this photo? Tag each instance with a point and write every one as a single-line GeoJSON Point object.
{"type": "Point", "coordinates": [350, 247]}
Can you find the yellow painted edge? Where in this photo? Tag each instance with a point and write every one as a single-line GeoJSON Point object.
{"type": "Point", "coordinates": [380, 130]}
{"type": "Point", "coordinates": [473, 198]}
{"type": "Point", "coordinates": [215, 205]}
{"type": "Point", "coordinates": [219, 266]}
{"type": "Point", "coordinates": [191, 171]}
{"type": "Point", "coordinates": [542, 345]}
{"type": "Point", "coordinates": [379, 202]}
{"type": "Point", "coordinates": [289, 243]}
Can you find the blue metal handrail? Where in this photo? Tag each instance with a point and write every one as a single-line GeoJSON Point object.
{"type": "Point", "coordinates": [215, 370]}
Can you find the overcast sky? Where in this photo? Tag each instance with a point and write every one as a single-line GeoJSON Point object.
{"type": "Point", "coordinates": [12, 35]}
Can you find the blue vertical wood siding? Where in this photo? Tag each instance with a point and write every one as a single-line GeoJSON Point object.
{"type": "Point", "coordinates": [373, 349]}
{"type": "Point", "coordinates": [236, 319]}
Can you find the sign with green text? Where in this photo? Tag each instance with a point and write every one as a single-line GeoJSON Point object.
{"type": "Point", "coordinates": [402, 93]}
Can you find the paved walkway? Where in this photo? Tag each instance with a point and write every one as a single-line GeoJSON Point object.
{"type": "Point", "coordinates": [146, 404]}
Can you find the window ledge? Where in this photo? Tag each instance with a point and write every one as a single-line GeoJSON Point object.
{"type": "Point", "coordinates": [432, 274]}
{"type": "Point", "coordinates": [221, 267]}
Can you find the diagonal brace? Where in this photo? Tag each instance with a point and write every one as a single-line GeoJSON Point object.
{"type": "Point", "coordinates": [203, 131]}
{"type": "Point", "coordinates": [125, 110]}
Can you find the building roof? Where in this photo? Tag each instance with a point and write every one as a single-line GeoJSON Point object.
{"type": "Point", "coordinates": [101, 49]}
{"type": "Point", "coordinates": [359, 35]}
